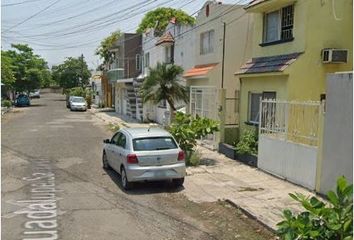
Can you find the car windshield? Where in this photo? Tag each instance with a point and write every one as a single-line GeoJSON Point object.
{"type": "Point", "coordinates": [79, 100]}
{"type": "Point", "coordinates": [154, 143]}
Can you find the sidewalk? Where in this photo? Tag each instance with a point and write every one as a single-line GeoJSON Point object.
{"type": "Point", "coordinates": [109, 116]}
{"type": "Point", "coordinates": [220, 178]}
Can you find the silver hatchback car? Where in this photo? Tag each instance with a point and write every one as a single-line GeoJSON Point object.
{"type": "Point", "coordinates": [144, 154]}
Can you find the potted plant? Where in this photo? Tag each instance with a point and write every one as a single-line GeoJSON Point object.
{"type": "Point", "coordinates": [247, 148]}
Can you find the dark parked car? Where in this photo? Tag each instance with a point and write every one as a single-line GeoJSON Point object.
{"type": "Point", "coordinates": [22, 100]}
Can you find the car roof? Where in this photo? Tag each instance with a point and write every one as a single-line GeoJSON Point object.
{"type": "Point", "coordinates": [139, 132]}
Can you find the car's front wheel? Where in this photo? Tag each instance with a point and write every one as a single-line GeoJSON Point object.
{"type": "Point", "coordinates": [178, 182]}
{"type": "Point", "coordinates": [105, 163]}
{"type": "Point", "coordinates": [124, 179]}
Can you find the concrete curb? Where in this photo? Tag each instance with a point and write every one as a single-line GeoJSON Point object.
{"type": "Point", "coordinates": [5, 111]}
{"type": "Point", "coordinates": [250, 215]}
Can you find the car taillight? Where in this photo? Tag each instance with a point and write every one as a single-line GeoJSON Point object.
{"type": "Point", "coordinates": [181, 156]}
{"type": "Point", "coordinates": [132, 159]}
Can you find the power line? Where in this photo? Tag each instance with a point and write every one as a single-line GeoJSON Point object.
{"type": "Point", "coordinates": [32, 16]}
{"type": "Point", "coordinates": [59, 33]}
{"type": "Point", "coordinates": [19, 3]}
{"type": "Point", "coordinates": [228, 10]}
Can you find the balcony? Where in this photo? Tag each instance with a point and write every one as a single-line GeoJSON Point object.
{"type": "Point", "coordinates": [115, 74]}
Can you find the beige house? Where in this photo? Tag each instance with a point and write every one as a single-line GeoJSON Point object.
{"type": "Point", "coordinates": [223, 43]}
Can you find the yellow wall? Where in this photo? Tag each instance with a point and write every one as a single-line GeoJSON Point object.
{"type": "Point", "coordinates": [317, 25]}
{"type": "Point", "coordinates": [308, 73]}
{"type": "Point", "coordinates": [276, 83]}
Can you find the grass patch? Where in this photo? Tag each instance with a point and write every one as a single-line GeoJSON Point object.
{"type": "Point", "coordinates": [250, 189]}
{"type": "Point", "coordinates": [113, 127]}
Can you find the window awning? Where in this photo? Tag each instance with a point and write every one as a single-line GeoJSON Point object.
{"type": "Point", "coordinates": [166, 38]}
{"type": "Point", "coordinates": [199, 70]}
{"type": "Point", "coordinates": [268, 64]}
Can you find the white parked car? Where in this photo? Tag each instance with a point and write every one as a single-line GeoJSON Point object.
{"type": "Point", "coordinates": [78, 103]}
{"type": "Point", "coordinates": [35, 94]}
{"type": "Point", "coordinates": [144, 154]}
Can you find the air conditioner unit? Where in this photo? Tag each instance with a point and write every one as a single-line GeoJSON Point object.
{"type": "Point", "coordinates": [330, 55]}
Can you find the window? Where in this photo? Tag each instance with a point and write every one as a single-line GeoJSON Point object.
{"type": "Point", "coordinates": [253, 107]}
{"type": "Point", "coordinates": [162, 104]}
{"type": "Point", "coordinates": [278, 25]}
{"type": "Point", "coordinates": [114, 139]}
{"type": "Point", "coordinates": [122, 141]}
{"type": "Point", "coordinates": [207, 42]}
{"type": "Point", "coordinates": [154, 143]}
{"type": "Point", "coordinates": [147, 60]}
{"type": "Point", "coordinates": [254, 101]}
{"type": "Point", "coordinates": [137, 61]}
{"type": "Point", "coordinates": [168, 54]}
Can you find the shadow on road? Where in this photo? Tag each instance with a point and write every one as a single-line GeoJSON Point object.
{"type": "Point", "coordinates": [141, 188]}
{"type": "Point", "coordinates": [37, 105]}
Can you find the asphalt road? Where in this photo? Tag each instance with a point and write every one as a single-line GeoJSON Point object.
{"type": "Point", "coordinates": [53, 185]}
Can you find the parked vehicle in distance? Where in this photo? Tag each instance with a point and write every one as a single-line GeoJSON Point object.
{"type": "Point", "coordinates": [35, 94]}
{"type": "Point", "coordinates": [144, 154]}
{"type": "Point", "coordinates": [78, 103]}
{"type": "Point", "coordinates": [68, 100]}
{"type": "Point", "coordinates": [22, 100]}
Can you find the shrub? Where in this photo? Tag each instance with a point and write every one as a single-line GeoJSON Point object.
{"type": "Point", "coordinates": [113, 127]}
{"type": "Point", "coordinates": [320, 221]}
{"type": "Point", "coordinates": [248, 143]}
{"type": "Point", "coordinates": [6, 103]}
{"type": "Point", "coordinates": [195, 159]}
{"type": "Point", "coordinates": [187, 130]}
{"type": "Point", "coordinates": [77, 91]}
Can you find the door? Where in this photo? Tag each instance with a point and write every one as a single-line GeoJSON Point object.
{"type": "Point", "coordinates": [121, 151]}
{"type": "Point", "coordinates": [111, 153]}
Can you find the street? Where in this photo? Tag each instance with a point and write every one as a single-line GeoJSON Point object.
{"type": "Point", "coordinates": [54, 187]}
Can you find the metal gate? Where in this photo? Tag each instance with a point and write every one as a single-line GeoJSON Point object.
{"type": "Point", "coordinates": [203, 102]}
{"type": "Point", "coordinates": [288, 140]}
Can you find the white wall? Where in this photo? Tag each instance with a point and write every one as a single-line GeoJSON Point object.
{"type": "Point", "coordinates": [185, 44]}
{"type": "Point", "coordinates": [294, 162]}
{"type": "Point", "coordinates": [338, 131]}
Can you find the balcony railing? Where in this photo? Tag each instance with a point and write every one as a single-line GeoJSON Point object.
{"type": "Point", "coordinates": [115, 74]}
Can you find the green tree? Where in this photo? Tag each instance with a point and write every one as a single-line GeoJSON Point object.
{"type": "Point", "coordinates": [7, 75]}
{"type": "Point", "coordinates": [28, 69]}
{"type": "Point", "coordinates": [163, 84]}
{"type": "Point", "coordinates": [73, 72]}
{"type": "Point", "coordinates": [160, 17]}
{"type": "Point", "coordinates": [106, 45]}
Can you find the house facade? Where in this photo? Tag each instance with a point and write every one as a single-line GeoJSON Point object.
{"type": "Point", "coordinates": [174, 46]}
{"type": "Point", "coordinates": [222, 39]}
{"type": "Point", "coordinates": [285, 94]}
{"type": "Point", "coordinates": [292, 41]}
{"type": "Point", "coordinates": [124, 68]}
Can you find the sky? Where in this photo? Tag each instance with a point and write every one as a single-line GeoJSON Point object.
{"type": "Point", "coordinates": [57, 29]}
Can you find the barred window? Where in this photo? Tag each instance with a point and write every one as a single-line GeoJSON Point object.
{"type": "Point", "coordinates": [278, 25]}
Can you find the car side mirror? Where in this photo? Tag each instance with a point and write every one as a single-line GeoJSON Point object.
{"type": "Point", "coordinates": [106, 141]}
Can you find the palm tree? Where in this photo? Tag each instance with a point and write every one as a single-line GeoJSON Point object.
{"type": "Point", "coordinates": [163, 84]}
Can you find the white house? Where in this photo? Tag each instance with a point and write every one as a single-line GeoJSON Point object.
{"type": "Point", "coordinates": [175, 46]}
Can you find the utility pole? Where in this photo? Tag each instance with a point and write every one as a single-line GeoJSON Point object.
{"type": "Point", "coordinates": [82, 70]}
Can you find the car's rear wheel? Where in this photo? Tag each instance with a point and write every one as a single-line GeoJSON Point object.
{"type": "Point", "coordinates": [105, 163]}
{"type": "Point", "coordinates": [178, 182]}
{"type": "Point", "coordinates": [125, 183]}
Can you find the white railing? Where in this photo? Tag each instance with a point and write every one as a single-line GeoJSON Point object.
{"type": "Point", "coordinates": [290, 120]}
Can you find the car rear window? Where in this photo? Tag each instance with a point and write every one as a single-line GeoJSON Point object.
{"type": "Point", "coordinates": [154, 143]}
